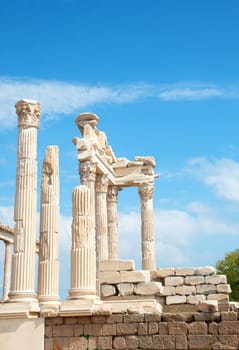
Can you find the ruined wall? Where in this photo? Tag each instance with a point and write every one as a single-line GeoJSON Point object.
{"type": "Point", "coordinates": [201, 331]}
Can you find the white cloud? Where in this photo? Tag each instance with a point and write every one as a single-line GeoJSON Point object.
{"type": "Point", "coordinates": [190, 94]}
{"type": "Point", "coordinates": [222, 175]}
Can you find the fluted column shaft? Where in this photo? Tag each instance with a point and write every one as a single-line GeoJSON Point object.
{"type": "Point", "coordinates": [83, 257]}
{"type": "Point", "coordinates": [101, 218]}
{"type": "Point", "coordinates": [48, 276]}
{"type": "Point", "coordinates": [112, 211]}
{"type": "Point", "coordinates": [7, 270]}
{"type": "Point", "coordinates": [147, 226]}
{"type": "Point", "coordinates": [23, 260]}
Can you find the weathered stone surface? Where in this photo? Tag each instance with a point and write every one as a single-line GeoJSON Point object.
{"type": "Point", "coordinates": [165, 272]}
{"type": "Point", "coordinates": [163, 328]}
{"type": "Point", "coordinates": [125, 289]}
{"type": "Point", "coordinates": [150, 288]}
{"type": "Point", "coordinates": [194, 280]}
{"type": "Point", "coordinates": [224, 288]}
{"type": "Point", "coordinates": [205, 270]}
{"type": "Point", "coordinates": [181, 342]}
{"type": "Point", "coordinates": [153, 328]}
{"type": "Point", "coordinates": [127, 328]}
{"type": "Point", "coordinates": [205, 289]}
{"type": "Point", "coordinates": [62, 331]}
{"type": "Point", "coordinates": [174, 281]}
{"type": "Point", "coordinates": [119, 343]}
{"type": "Point", "coordinates": [207, 316]}
{"type": "Point", "coordinates": [185, 290]}
{"type": "Point", "coordinates": [176, 299]}
{"type": "Point", "coordinates": [153, 317]}
{"type": "Point", "coordinates": [109, 277]}
{"type": "Point", "coordinates": [229, 316]}
{"type": "Point", "coordinates": [169, 290]}
{"type": "Point", "coordinates": [194, 299]}
{"type": "Point", "coordinates": [184, 271]}
{"type": "Point", "coordinates": [164, 342]}
{"type": "Point", "coordinates": [177, 317]}
{"type": "Point", "coordinates": [146, 342]}
{"type": "Point", "coordinates": [93, 329]}
{"type": "Point", "coordinates": [134, 276]}
{"type": "Point", "coordinates": [132, 342]}
{"type": "Point", "coordinates": [201, 341]}
{"type": "Point", "coordinates": [177, 328]}
{"type": "Point", "coordinates": [219, 297]}
{"type": "Point", "coordinates": [104, 343]}
{"type": "Point", "coordinates": [117, 318]}
{"type": "Point", "coordinates": [213, 328]}
{"type": "Point", "coordinates": [108, 265]}
{"type": "Point", "coordinates": [126, 265]}
{"type": "Point", "coordinates": [216, 279]}
{"type": "Point", "coordinates": [78, 343]}
{"type": "Point", "coordinates": [229, 340]}
{"type": "Point", "coordinates": [228, 327]}
{"type": "Point", "coordinates": [109, 329]}
{"type": "Point", "coordinates": [142, 329]}
{"type": "Point", "coordinates": [197, 328]}
{"type": "Point", "coordinates": [208, 306]}
{"type": "Point", "coordinates": [133, 318]}
{"type": "Point", "coordinates": [107, 290]}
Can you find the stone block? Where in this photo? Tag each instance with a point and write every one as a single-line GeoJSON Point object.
{"type": "Point", "coordinates": [78, 343]}
{"type": "Point", "coordinates": [48, 331]}
{"type": "Point", "coordinates": [194, 280]}
{"type": "Point", "coordinates": [146, 342]}
{"type": "Point", "coordinates": [219, 297]}
{"type": "Point", "coordinates": [70, 320]}
{"type": "Point", "coordinates": [104, 343]}
{"type": "Point", "coordinates": [194, 299]}
{"type": "Point", "coordinates": [109, 329]}
{"type": "Point", "coordinates": [117, 318]}
{"type": "Point", "coordinates": [127, 328]}
{"type": "Point", "coordinates": [132, 342]}
{"type": "Point", "coordinates": [153, 317]}
{"type": "Point", "coordinates": [62, 331]}
{"type": "Point", "coordinates": [61, 343]}
{"type": "Point", "coordinates": [176, 299]}
{"type": "Point", "coordinates": [207, 316]}
{"type": "Point", "coordinates": [126, 265]}
{"type": "Point", "coordinates": [213, 328]}
{"type": "Point", "coordinates": [78, 330]}
{"type": "Point", "coordinates": [165, 272]}
{"type": "Point", "coordinates": [84, 319]}
{"type": "Point", "coordinates": [185, 290]}
{"type": "Point", "coordinates": [142, 329]}
{"type": "Point", "coordinates": [228, 316]}
{"type": "Point", "coordinates": [92, 343]}
{"type": "Point", "coordinates": [134, 276]}
{"type": "Point", "coordinates": [109, 265]}
{"type": "Point", "coordinates": [216, 279]}
{"type": "Point", "coordinates": [174, 281]}
{"type": "Point", "coordinates": [205, 271]}
{"type": "Point", "coordinates": [153, 328]}
{"type": "Point", "coordinates": [164, 342]}
{"type": "Point", "coordinates": [125, 289]}
{"type": "Point", "coordinates": [228, 327]}
{"type": "Point", "coordinates": [197, 328]}
{"type": "Point", "coordinates": [53, 321]}
{"type": "Point", "coordinates": [150, 288]}
{"type": "Point", "coordinates": [93, 329]}
{"type": "Point", "coordinates": [206, 289]}
{"type": "Point", "coordinates": [231, 341]}
{"type": "Point", "coordinates": [201, 341]}
{"type": "Point", "coordinates": [177, 316]}
{"type": "Point", "coordinates": [177, 328]}
{"type": "Point", "coordinates": [208, 306]}
{"type": "Point", "coordinates": [48, 344]}
{"type": "Point", "coordinates": [98, 319]}
{"type": "Point", "coordinates": [109, 277]}
{"type": "Point", "coordinates": [107, 290]}
{"type": "Point", "coordinates": [224, 288]}
{"type": "Point", "coordinates": [119, 343]}
{"type": "Point", "coordinates": [133, 318]}
{"type": "Point", "coordinates": [169, 290]}
{"type": "Point", "coordinates": [163, 328]}
{"type": "Point", "coordinates": [181, 342]}
{"type": "Point", "coordinates": [184, 271]}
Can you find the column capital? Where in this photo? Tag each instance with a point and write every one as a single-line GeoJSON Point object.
{"type": "Point", "coordinates": [28, 112]}
{"type": "Point", "coordinates": [112, 194]}
{"type": "Point", "coordinates": [146, 191]}
{"type": "Point", "coordinates": [87, 171]}
{"type": "Point", "coordinates": [101, 183]}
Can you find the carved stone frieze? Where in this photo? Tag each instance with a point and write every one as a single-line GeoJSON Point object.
{"type": "Point", "coordinates": [28, 112]}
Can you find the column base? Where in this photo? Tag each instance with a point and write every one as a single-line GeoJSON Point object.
{"type": "Point", "coordinates": [10, 310]}
{"type": "Point", "coordinates": [86, 305]}
{"type": "Point", "coordinates": [82, 294]}
{"type": "Point", "coordinates": [22, 297]}
{"type": "Point", "coordinates": [49, 308]}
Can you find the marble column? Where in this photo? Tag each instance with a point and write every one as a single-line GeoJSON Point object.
{"type": "Point", "coordinates": [83, 257]}
{"type": "Point", "coordinates": [23, 260]}
{"type": "Point", "coordinates": [48, 275]}
{"type": "Point", "coordinates": [112, 210]}
{"type": "Point", "coordinates": [147, 226]}
{"type": "Point", "coordinates": [7, 270]}
{"type": "Point", "coordinates": [101, 187]}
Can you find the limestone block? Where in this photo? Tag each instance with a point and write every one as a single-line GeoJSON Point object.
{"type": "Point", "coordinates": [208, 306]}
{"type": "Point", "coordinates": [109, 265]}
{"type": "Point", "coordinates": [125, 288]}
{"type": "Point", "coordinates": [197, 328]}
{"type": "Point", "coordinates": [109, 277]}
{"type": "Point", "coordinates": [194, 299]}
{"type": "Point", "coordinates": [174, 281]}
{"type": "Point", "coordinates": [132, 342]}
{"type": "Point", "coordinates": [216, 279]}
{"type": "Point", "coordinates": [205, 271]}
{"type": "Point", "coordinates": [224, 288]}
{"type": "Point", "coordinates": [150, 288]}
{"type": "Point", "coordinates": [165, 272]}
{"type": "Point", "coordinates": [169, 290]}
{"type": "Point", "coordinates": [201, 341]}
{"type": "Point", "coordinates": [184, 271]}
{"type": "Point", "coordinates": [134, 276]}
{"type": "Point", "coordinates": [206, 289]}
{"type": "Point", "coordinates": [194, 280]}
{"type": "Point", "coordinates": [185, 290]}
{"type": "Point", "coordinates": [177, 328]}
{"type": "Point", "coordinates": [126, 265]}
{"type": "Point", "coordinates": [119, 343]}
{"type": "Point", "coordinates": [228, 327]}
{"type": "Point", "coordinates": [219, 297]}
{"type": "Point", "coordinates": [176, 299]}
{"type": "Point", "coordinates": [228, 316]}
{"type": "Point", "coordinates": [107, 290]}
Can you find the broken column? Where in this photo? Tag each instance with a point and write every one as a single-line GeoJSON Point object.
{"type": "Point", "coordinates": [83, 257]}
{"type": "Point", "coordinates": [23, 260]}
{"type": "Point", "coordinates": [101, 218]}
{"type": "Point", "coordinates": [48, 277]}
{"type": "Point", "coordinates": [112, 212]}
{"type": "Point", "coordinates": [147, 226]}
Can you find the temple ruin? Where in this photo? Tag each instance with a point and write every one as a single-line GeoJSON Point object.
{"type": "Point", "coordinates": [110, 305]}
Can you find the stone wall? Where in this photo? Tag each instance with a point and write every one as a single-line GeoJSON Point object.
{"type": "Point", "coordinates": [188, 330]}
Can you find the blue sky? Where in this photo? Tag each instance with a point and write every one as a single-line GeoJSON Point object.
{"type": "Point", "coordinates": [163, 77]}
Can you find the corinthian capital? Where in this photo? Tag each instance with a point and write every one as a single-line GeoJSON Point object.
{"type": "Point", "coordinates": [146, 191]}
{"type": "Point", "coordinates": [87, 171]}
{"type": "Point", "coordinates": [101, 183]}
{"type": "Point", "coordinates": [28, 112]}
{"type": "Point", "coordinates": [112, 193]}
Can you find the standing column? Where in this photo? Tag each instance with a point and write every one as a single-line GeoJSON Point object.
{"type": "Point", "coordinates": [83, 259]}
{"type": "Point", "coordinates": [48, 277]}
{"type": "Point", "coordinates": [112, 210]}
{"type": "Point", "coordinates": [147, 226]}
{"type": "Point", "coordinates": [101, 187]}
{"type": "Point", "coordinates": [23, 260]}
{"type": "Point", "coordinates": [7, 270]}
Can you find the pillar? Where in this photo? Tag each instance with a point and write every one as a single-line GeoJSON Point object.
{"type": "Point", "coordinates": [83, 257]}
{"type": "Point", "coordinates": [147, 226]}
{"type": "Point", "coordinates": [48, 276]}
{"type": "Point", "coordinates": [101, 187]}
{"type": "Point", "coordinates": [23, 260]}
{"type": "Point", "coordinates": [112, 210]}
{"type": "Point", "coordinates": [7, 270]}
